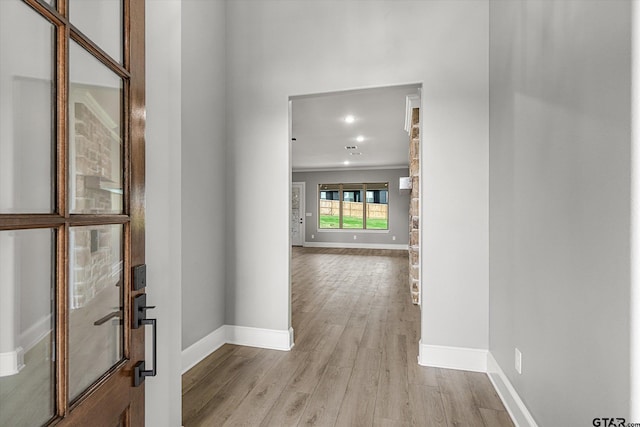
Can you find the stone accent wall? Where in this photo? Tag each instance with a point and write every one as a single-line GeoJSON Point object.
{"type": "Point", "coordinates": [92, 162]}
{"type": "Point", "coordinates": [92, 252]}
{"type": "Point", "coordinates": [414, 208]}
{"type": "Point", "coordinates": [92, 271]}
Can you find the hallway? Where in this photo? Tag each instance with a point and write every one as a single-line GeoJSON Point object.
{"type": "Point", "coordinates": [354, 360]}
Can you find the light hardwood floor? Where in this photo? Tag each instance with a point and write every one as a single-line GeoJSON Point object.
{"type": "Point", "coordinates": [354, 362]}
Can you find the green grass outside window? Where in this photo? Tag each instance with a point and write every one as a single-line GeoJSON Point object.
{"type": "Point", "coordinates": [333, 222]}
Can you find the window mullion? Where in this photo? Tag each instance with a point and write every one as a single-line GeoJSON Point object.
{"type": "Point", "coordinates": [364, 206]}
{"type": "Point", "coordinates": [340, 198]}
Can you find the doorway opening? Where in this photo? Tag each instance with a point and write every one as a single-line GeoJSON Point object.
{"type": "Point", "coordinates": [355, 155]}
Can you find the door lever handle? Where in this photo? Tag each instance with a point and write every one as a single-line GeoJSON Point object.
{"type": "Point", "coordinates": [108, 317]}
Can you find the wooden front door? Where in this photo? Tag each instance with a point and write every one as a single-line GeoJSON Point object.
{"type": "Point", "coordinates": [71, 211]}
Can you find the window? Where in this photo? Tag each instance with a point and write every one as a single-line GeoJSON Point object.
{"type": "Point", "coordinates": [354, 206]}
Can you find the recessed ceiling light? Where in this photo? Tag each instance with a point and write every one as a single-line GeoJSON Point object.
{"type": "Point", "coordinates": [349, 119]}
{"type": "Point", "coordinates": [346, 162]}
{"type": "Point", "coordinates": [360, 138]}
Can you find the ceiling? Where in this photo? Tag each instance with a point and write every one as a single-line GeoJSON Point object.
{"type": "Point", "coordinates": [321, 132]}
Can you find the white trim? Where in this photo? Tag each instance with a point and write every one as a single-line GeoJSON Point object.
{"type": "Point", "coordinates": [257, 337]}
{"type": "Point", "coordinates": [35, 333]}
{"type": "Point", "coordinates": [197, 351]}
{"type": "Point", "coordinates": [349, 168]}
{"type": "Point", "coordinates": [356, 90]}
{"type": "Point", "coordinates": [518, 411]}
{"type": "Point", "coordinates": [461, 358]}
{"type": "Point", "coordinates": [413, 101]}
{"type": "Point", "coordinates": [356, 245]}
{"type": "Point", "coordinates": [239, 335]}
{"type": "Point", "coordinates": [11, 362]}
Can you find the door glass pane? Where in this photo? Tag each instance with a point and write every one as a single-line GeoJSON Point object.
{"type": "Point", "coordinates": [352, 206]}
{"type": "Point", "coordinates": [378, 206]}
{"type": "Point", "coordinates": [95, 142]}
{"type": "Point", "coordinates": [26, 97]}
{"type": "Point", "coordinates": [101, 21]}
{"type": "Point", "coordinates": [95, 303]}
{"type": "Point", "coordinates": [26, 326]}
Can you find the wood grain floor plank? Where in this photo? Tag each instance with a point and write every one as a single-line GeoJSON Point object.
{"type": "Point", "coordinates": [395, 347]}
{"type": "Point", "coordinates": [198, 372]}
{"type": "Point", "coordinates": [256, 405]}
{"type": "Point", "coordinates": [345, 351]}
{"type": "Point", "coordinates": [422, 375]}
{"type": "Point", "coordinates": [384, 422]}
{"type": "Point", "coordinates": [493, 418]}
{"type": "Point", "coordinates": [457, 399]}
{"type": "Point", "coordinates": [200, 396]}
{"type": "Point", "coordinates": [374, 334]}
{"type": "Point", "coordinates": [323, 406]}
{"type": "Point", "coordinates": [287, 410]}
{"type": "Point", "coordinates": [307, 377]}
{"type": "Point", "coordinates": [393, 391]}
{"type": "Point", "coordinates": [224, 401]}
{"type": "Point", "coordinates": [359, 401]}
{"type": "Point", "coordinates": [426, 406]}
{"type": "Point", "coordinates": [483, 393]}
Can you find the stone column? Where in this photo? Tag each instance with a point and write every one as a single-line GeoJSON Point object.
{"type": "Point", "coordinates": [414, 208]}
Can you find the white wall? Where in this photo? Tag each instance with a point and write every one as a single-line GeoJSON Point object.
{"type": "Point", "coordinates": [278, 49]}
{"type": "Point", "coordinates": [163, 210]}
{"type": "Point", "coordinates": [635, 216]}
{"type": "Point", "coordinates": [203, 168]}
{"type": "Point", "coordinates": [398, 207]}
{"type": "Point", "coordinates": [559, 203]}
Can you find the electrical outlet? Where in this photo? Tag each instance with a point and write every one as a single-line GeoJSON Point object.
{"type": "Point", "coordinates": [313, 236]}
{"type": "Point", "coordinates": [518, 361]}
{"type": "Point", "coordinates": [393, 238]}
{"type": "Point", "coordinates": [355, 237]}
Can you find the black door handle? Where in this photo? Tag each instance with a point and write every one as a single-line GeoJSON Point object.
{"type": "Point", "coordinates": [140, 308]}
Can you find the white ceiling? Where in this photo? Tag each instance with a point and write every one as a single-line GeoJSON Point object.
{"type": "Point", "coordinates": [321, 133]}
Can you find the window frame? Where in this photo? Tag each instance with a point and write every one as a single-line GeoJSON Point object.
{"type": "Point", "coordinates": [341, 189]}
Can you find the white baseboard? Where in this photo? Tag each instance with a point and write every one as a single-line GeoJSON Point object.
{"type": "Point", "coordinates": [355, 245]}
{"type": "Point", "coordinates": [196, 352]}
{"type": "Point", "coordinates": [257, 337]}
{"type": "Point", "coordinates": [466, 359]}
{"type": "Point", "coordinates": [513, 403]}
{"type": "Point", "coordinates": [35, 333]}
{"type": "Point", "coordinates": [239, 335]}
{"type": "Point", "coordinates": [11, 362]}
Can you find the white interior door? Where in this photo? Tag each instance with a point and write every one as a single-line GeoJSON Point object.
{"type": "Point", "coordinates": [297, 213]}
